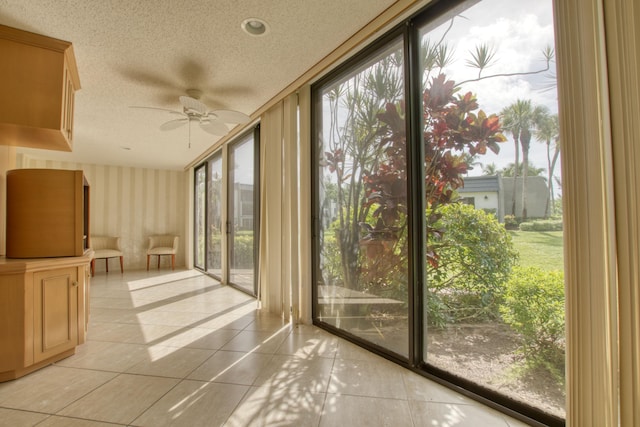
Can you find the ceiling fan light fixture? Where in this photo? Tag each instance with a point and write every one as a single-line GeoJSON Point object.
{"type": "Point", "coordinates": [255, 27]}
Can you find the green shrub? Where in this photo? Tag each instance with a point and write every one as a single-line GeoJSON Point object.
{"type": "Point", "coordinates": [534, 307]}
{"type": "Point", "coordinates": [510, 222]}
{"type": "Point", "coordinates": [492, 211]}
{"type": "Point", "coordinates": [475, 257]}
{"type": "Point", "coordinates": [542, 225]}
{"type": "Point", "coordinates": [331, 260]}
{"type": "Point", "coordinates": [241, 249]}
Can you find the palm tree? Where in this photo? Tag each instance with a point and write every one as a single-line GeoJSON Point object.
{"type": "Point", "coordinates": [509, 170]}
{"type": "Point", "coordinates": [489, 169]}
{"type": "Point", "coordinates": [521, 118]}
{"type": "Point", "coordinates": [549, 132]}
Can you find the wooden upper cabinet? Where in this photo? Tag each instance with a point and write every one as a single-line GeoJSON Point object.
{"type": "Point", "coordinates": [38, 80]}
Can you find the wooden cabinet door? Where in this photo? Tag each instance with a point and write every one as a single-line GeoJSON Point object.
{"type": "Point", "coordinates": [55, 299]}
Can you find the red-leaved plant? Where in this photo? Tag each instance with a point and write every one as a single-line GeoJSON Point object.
{"type": "Point", "coordinates": [453, 133]}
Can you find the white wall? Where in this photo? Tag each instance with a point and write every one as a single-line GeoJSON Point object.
{"type": "Point", "coordinates": [491, 201]}
{"type": "Point", "coordinates": [132, 203]}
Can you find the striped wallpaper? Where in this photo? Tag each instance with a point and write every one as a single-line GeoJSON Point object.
{"type": "Point", "coordinates": [132, 203]}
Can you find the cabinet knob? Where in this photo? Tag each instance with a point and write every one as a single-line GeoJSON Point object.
{"type": "Point", "coordinates": [74, 283]}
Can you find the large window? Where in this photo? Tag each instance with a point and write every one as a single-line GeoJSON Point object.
{"type": "Point", "coordinates": [459, 106]}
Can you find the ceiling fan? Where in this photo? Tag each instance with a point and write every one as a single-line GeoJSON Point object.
{"type": "Point", "coordinates": [211, 121]}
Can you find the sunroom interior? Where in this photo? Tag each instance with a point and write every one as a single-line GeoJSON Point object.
{"type": "Point", "coordinates": [597, 55]}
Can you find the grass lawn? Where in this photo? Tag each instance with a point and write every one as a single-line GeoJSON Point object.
{"type": "Point", "coordinates": [539, 249]}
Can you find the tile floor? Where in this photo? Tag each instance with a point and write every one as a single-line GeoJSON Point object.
{"type": "Point", "coordinates": [177, 348]}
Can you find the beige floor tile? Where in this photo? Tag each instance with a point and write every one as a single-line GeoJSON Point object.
{"type": "Point", "coordinates": [121, 400]}
{"type": "Point", "coordinates": [421, 388]}
{"type": "Point", "coordinates": [268, 322]}
{"type": "Point", "coordinates": [348, 351]}
{"type": "Point", "coordinates": [454, 415]}
{"type": "Point", "coordinates": [112, 315]}
{"type": "Point", "coordinates": [113, 303]}
{"type": "Point", "coordinates": [109, 331]}
{"type": "Point", "coordinates": [379, 378]}
{"type": "Point", "coordinates": [357, 411]}
{"type": "Point", "coordinates": [171, 318]}
{"type": "Point", "coordinates": [57, 421]}
{"type": "Point", "coordinates": [110, 292]}
{"type": "Point", "coordinates": [304, 329]}
{"type": "Point", "coordinates": [147, 334]}
{"type": "Point", "coordinates": [201, 338]}
{"type": "Point", "coordinates": [257, 341]}
{"type": "Point", "coordinates": [194, 403]}
{"type": "Point", "coordinates": [50, 389]}
{"type": "Point", "coordinates": [264, 406]}
{"type": "Point", "coordinates": [296, 373]}
{"type": "Point", "coordinates": [236, 319]}
{"type": "Point", "coordinates": [232, 367]}
{"type": "Point", "coordinates": [13, 418]}
{"type": "Point", "coordinates": [106, 356]}
{"type": "Point", "coordinates": [303, 345]}
{"type": "Point", "coordinates": [172, 362]}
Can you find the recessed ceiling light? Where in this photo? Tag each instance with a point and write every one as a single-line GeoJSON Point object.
{"type": "Point", "coordinates": [255, 27]}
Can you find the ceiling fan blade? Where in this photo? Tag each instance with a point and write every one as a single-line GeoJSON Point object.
{"type": "Point", "coordinates": [230, 116]}
{"type": "Point", "coordinates": [214, 127]}
{"type": "Point", "coordinates": [157, 108]}
{"type": "Point", "coordinates": [173, 124]}
{"type": "Point", "coordinates": [193, 104]}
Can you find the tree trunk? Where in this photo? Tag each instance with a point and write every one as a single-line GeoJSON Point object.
{"type": "Point", "coordinates": [549, 178]}
{"type": "Point", "coordinates": [525, 140]}
{"type": "Point", "coordinates": [556, 154]}
{"type": "Point", "coordinates": [515, 174]}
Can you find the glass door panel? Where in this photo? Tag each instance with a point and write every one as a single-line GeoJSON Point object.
{"type": "Point", "coordinates": [242, 214]}
{"type": "Point", "coordinates": [214, 214]}
{"type": "Point", "coordinates": [362, 273]}
{"type": "Point", "coordinates": [495, 288]}
{"type": "Point", "coordinates": [200, 214]}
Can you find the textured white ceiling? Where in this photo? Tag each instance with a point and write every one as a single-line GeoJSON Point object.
{"type": "Point", "coordinates": [149, 52]}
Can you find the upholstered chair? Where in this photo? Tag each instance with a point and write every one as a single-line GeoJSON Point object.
{"type": "Point", "coordinates": [163, 245]}
{"type": "Point", "coordinates": [105, 247]}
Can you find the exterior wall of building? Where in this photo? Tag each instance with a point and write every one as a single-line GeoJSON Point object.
{"type": "Point", "coordinates": [537, 193]}
{"type": "Point", "coordinates": [489, 201]}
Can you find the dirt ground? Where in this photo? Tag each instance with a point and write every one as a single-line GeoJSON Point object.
{"type": "Point", "coordinates": [487, 354]}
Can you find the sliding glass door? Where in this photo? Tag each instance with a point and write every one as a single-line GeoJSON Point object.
{"type": "Point", "coordinates": [226, 220]}
{"type": "Point", "coordinates": [495, 288]}
{"type": "Point", "coordinates": [362, 277]}
{"type": "Point", "coordinates": [241, 207]}
{"type": "Point", "coordinates": [200, 215]}
{"type": "Point", "coordinates": [214, 217]}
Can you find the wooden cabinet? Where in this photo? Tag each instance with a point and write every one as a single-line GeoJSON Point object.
{"type": "Point", "coordinates": [43, 312]}
{"type": "Point", "coordinates": [38, 81]}
{"type": "Point", "coordinates": [47, 213]}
